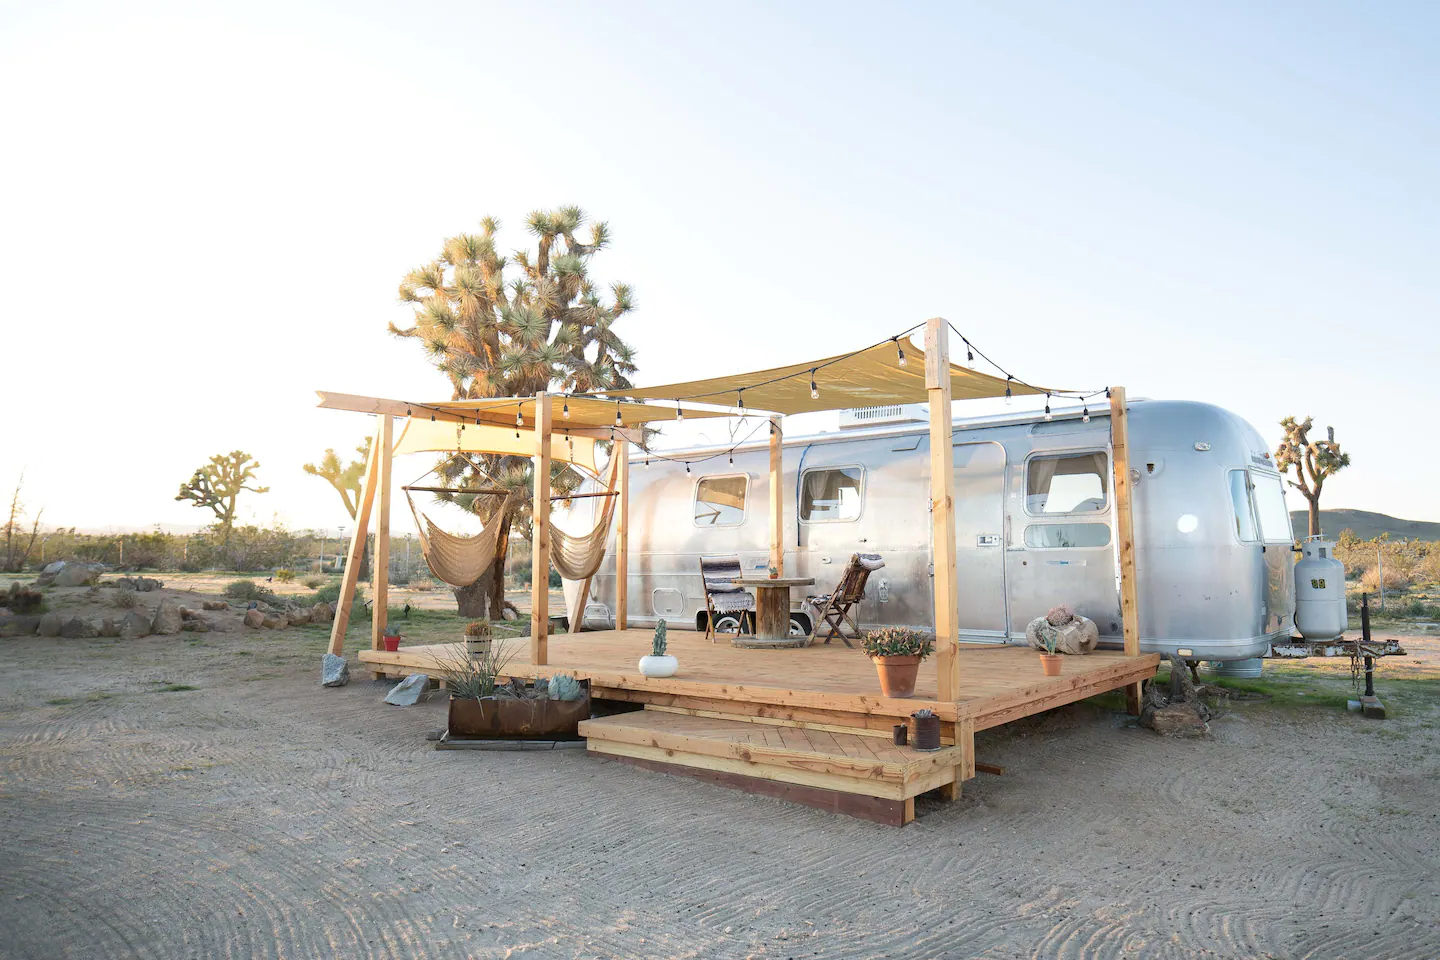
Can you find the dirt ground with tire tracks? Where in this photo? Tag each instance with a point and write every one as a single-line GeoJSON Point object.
{"type": "Point", "coordinates": [202, 796]}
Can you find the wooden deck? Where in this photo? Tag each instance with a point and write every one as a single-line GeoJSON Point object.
{"type": "Point", "coordinates": [720, 713]}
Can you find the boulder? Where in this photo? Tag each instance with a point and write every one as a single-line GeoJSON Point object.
{"type": "Point", "coordinates": [275, 622]}
{"type": "Point", "coordinates": [195, 626]}
{"type": "Point", "coordinates": [109, 628]}
{"type": "Point", "coordinates": [139, 584]}
{"type": "Point", "coordinates": [214, 605]}
{"type": "Point", "coordinates": [19, 626]}
{"type": "Point", "coordinates": [223, 625]}
{"type": "Point", "coordinates": [263, 607]}
{"type": "Point", "coordinates": [321, 613]}
{"type": "Point", "coordinates": [334, 671]}
{"type": "Point", "coordinates": [168, 620]}
{"type": "Point", "coordinates": [79, 574]}
{"type": "Point", "coordinates": [134, 625]}
{"type": "Point", "coordinates": [77, 629]}
{"type": "Point", "coordinates": [50, 625]}
{"type": "Point", "coordinates": [53, 567]}
{"type": "Point", "coordinates": [407, 692]}
{"type": "Point", "coordinates": [254, 618]}
{"type": "Point", "coordinates": [296, 614]}
{"type": "Point", "coordinates": [1179, 712]}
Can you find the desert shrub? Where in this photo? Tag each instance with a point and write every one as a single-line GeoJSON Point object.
{"type": "Point", "coordinates": [284, 575]}
{"type": "Point", "coordinates": [330, 593]}
{"type": "Point", "coordinates": [23, 600]}
{"type": "Point", "coordinates": [1395, 580]}
{"type": "Point", "coordinates": [247, 590]}
{"type": "Point", "coordinates": [125, 599]}
{"type": "Point", "coordinates": [314, 582]}
{"type": "Point", "coordinates": [1421, 610]}
{"type": "Point", "coordinates": [400, 580]}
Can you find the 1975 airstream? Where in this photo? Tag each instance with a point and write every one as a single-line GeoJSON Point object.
{"type": "Point", "coordinates": [1034, 525]}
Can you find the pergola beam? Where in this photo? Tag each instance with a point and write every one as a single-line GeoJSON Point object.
{"type": "Point", "coordinates": [621, 449]}
{"type": "Point", "coordinates": [1125, 534]}
{"type": "Point", "coordinates": [777, 498]}
{"type": "Point", "coordinates": [357, 548]}
{"type": "Point", "coordinates": [380, 572]}
{"type": "Point", "coordinates": [540, 537]}
{"type": "Point", "coordinates": [942, 509]}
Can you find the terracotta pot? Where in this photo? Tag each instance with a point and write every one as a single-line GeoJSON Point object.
{"type": "Point", "coordinates": [391, 643]}
{"type": "Point", "coordinates": [1050, 663]}
{"type": "Point", "coordinates": [897, 675]}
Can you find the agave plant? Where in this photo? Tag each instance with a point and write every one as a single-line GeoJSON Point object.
{"type": "Point", "coordinates": [473, 677]}
{"type": "Point", "coordinates": [897, 642]}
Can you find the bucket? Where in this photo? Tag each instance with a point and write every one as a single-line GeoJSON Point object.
{"type": "Point", "coordinates": [1237, 669]}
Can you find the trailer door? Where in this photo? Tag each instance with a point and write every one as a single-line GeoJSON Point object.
{"type": "Point", "coordinates": [980, 540]}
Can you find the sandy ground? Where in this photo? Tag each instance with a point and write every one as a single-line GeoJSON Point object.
{"type": "Point", "coordinates": [201, 796]}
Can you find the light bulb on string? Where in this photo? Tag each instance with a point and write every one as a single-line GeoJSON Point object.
{"type": "Point", "coordinates": [732, 458]}
{"type": "Point", "coordinates": [618, 421]}
{"type": "Point", "coordinates": [814, 390]}
{"type": "Point", "coordinates": [1007, 388]}
{"type": "Point", "coordinates": [740, 397]}
{"type": "Point", "coordinates": [687, 466]}
{"type": "Point", "coordinates": [1047, 406]}
{"type": "Point", "coordinates": [969, 354]}
{"type": "Point", "coordinates": [901, 351]}
{"type": "Point", "coordinates": [407, 409]}
{"type": "Point", "coordinates": [565, 410]}
{"type": "Point", "coordinates": [1085, 416]}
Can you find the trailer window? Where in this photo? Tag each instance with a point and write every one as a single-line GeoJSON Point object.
{"type": "Point", "coordinates": [720, 501]}
{"type": "Point", "coordinates": [1240, 507]}
{"type": "Point", "coordinates": [1073, 484]}
{"type": "Point", "coordinates": [1067, 535]}
{"type": "Point", "coordinates": [1269, 493]}
{"type": "Point", "coordinates": [833, 493]}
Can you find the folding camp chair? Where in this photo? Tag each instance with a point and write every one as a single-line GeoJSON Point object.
{"type": "Point", "coordinates": [723, 598]}
{"type": "Point", "coordinates": [833, 610]}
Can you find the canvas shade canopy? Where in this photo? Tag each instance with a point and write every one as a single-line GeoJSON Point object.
{"type": "Point", "coordinates": [869, 378]}
{"type": "Point", "coordinates": [588, 416]}
{"type": "Point", "coordinates": [422, 436]}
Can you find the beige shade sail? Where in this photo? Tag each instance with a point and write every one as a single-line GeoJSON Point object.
{"type": "Point", "coordinates": [422, 436]}
{"type": "Point", "coordinates": [578, 413]}
{"type": "Point", "coordinates": [869, 378]}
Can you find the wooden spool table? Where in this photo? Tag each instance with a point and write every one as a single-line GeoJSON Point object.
{"type": "Point", "coordinates": [772, 612]}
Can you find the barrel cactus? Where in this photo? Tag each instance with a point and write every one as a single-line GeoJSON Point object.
{"type": "Point", "coordinates": [657, 646]}
{"type": "Point", "coordinates": [564, 686]}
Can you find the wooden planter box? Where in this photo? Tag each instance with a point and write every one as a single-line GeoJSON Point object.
{"type": "Point", "coordinates": [509, 719]}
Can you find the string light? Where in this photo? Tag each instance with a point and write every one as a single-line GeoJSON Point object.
{"type": "Point", "coordinates": [969, 353]}
{"type": "Point", "coordinates": [687, 466]}
{"type": "Point", "coordinates": [900, 350]}
{"type": "Point", "coordinates": [814, 390]}
{"type": "Point", "coordinates": [407, 409]}
{"type": "Point", "coordinates": [732, 458]}
{"type": "Point", "coordinates": [1008, 378]}
{"type": "Point", "coordinates": [1047, 406]}
{"type": "Point", "coordinates": [565, 410]}
{"type": "Point", "coordinates": [1085, 417]}
{"type": "Point", "coordinates": [432, 418]}
{"type": "Point", "coordinates": [519, 420]}
{"type": "Point", "coordinates": [618, 422]}
{"type": "Point", "coordinates": [740, 394]}
{"type": "Point", "coordinates": [679, 413]}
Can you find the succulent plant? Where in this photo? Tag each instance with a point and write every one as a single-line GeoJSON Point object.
{"type": "Point", "coordinates": [1048, 635]}
{"type": "Point", "coordinates": [657, 646]}
{"type": "Point", "coordinates": [897, 642]}
{"type": "Point", "coordinates": [923, 714]}
{"type": "Point", "coordinates": [564, 686]}
{"type": "Point", "coordinates": [478, 628]}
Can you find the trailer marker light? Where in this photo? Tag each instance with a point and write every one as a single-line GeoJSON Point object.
{"type": "Point", "coordinates": [1201, 446]}
{"type": "Point", "coordinates": [1185, 652]}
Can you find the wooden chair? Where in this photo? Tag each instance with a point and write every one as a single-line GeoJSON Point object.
{"type": "Point", "coordinates": [834, 610]}
{"type": "Point", "coordinates": [723, 598]}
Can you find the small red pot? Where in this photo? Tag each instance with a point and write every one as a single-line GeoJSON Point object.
{"type": "Point", "coordinates": [392, 643]}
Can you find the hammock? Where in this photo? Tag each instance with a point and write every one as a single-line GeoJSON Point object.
{"type": "Point", "coordinates": [577, 558]}
{"type": "Point", "coordinates": [460, 561]}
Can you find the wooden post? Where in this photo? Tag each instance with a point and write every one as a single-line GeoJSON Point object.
{"type": "Point", "coordinates": [1125, 534]}
{"type": "Point", "coordinates": [380, 573]}
{"type": "Point", "coordinates": [777, 498]}
{"type": "Point", "coordinates": [540, 537]}
{"type": "Point", "coordinates": [622, 536]}
{"type": "Point", "coordinates": [357, 550]}
{"type": "Point", "coordinates": [942, 509]}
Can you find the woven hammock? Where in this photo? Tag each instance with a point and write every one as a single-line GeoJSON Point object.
{"type": "Point", "coordinates": [577, 558]}
{"type": "Point", "coordinates": [460, 561]}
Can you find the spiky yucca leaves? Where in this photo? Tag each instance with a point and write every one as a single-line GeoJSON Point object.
{"type": "Point", "coordinates": [1314, 461]}
{"type": "Point", "coordinates": [511, 327]}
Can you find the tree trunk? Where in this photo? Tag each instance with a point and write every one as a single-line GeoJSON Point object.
{"type": "Point", "coordinates": [497, 573]}
{"type": "Point", "coordinates": [472, 599]}
{"type": "Point", "coordinates": [365, 562]}
{"type": "Point", "coordinates": [1315, 517]}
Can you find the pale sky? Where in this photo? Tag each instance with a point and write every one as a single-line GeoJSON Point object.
{"type": "Point", "coordinates": [207, 208]}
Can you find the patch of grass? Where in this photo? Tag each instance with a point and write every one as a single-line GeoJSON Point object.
{"type": "Point", "coordinates": [59, 701]}
{"type": "Point", "coordinates": [174, 688]}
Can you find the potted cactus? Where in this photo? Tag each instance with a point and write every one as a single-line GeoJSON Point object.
{"type": "Point", "coordinates": [659, 663]}
{"type": "Point", "coordinates": [478, 636]}
{"type": "Point", "coordinates": [897, 652]}
{"type": "Point", "coordinates": [390, 639]}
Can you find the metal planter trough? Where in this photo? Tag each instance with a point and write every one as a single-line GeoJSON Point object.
{"type": "Point", "coordinates": [516, 718]}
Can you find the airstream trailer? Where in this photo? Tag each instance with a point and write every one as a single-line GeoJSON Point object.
{"type": "Point", "coordinates": [1034, 525]}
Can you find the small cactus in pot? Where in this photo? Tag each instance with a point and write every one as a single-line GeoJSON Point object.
{"type": "Point", "coordinates": [478, 637]}
{"type": "Point", "coordinates": [659, 663]}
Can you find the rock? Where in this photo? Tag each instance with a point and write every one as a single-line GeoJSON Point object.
{"type": "Point", "coordinates": [223, 625]}
{"type": "Point", "coordinates": [1177, 720]}
{"type": "Point", "coordinates": [109, 628]}
{"type": "Point", "coordinates": [195, 626]}
{"type": "Point", "coordinates": [54, 567]}
{"type": "Point", "coordinates": [276, 622]}
{"type": "Point", "coordinates": [321, 613]}
{"type": "Point", "coordinates": [134, 625]}
{"type": "Point", "coordinates": [79, 574]}
{"type": "Point", "coordinates": [139, 584]}
{"type": "Point", "coordinates": [263, 607]}
{"type": "Point", "coordinates": [296, 615]}
{"type": "Point", "coordinates": [168, 620]}
{"type": "Point", "coordinates": [50, 625]}
{"type": "Point", "coordinates": [19, 626]}
{"type": "Point", "coordinates": [214, 605]}
{"type": "Point", "coordinates": [334, 671]}
{"type": "Point", "coordinates": [77, 629]}
{"type": "Point", "coordinates": [407, 692]}
{"type": "Point", "coordinates": [254, 618]}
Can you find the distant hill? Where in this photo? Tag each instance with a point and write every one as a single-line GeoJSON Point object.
{"type": "Point", "coordinates": [1366, 525]}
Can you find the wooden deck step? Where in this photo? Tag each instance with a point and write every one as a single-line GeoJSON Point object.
{"type": "Point", "coordinates": [859, 775]}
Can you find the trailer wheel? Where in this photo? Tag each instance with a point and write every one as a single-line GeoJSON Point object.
{"type": "Point", "coordinates": [799, 625]}
{"type": "Point", "coordinates": [728, 623]}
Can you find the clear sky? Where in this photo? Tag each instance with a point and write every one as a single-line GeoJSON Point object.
{"type": "Point", "coordinates": [205, 209]}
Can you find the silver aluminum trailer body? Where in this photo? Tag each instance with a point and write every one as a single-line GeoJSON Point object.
{"type": "Point", "coordinates": [1034, 519]}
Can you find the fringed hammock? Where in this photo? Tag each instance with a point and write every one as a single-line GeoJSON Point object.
{"type": "Point", "coordinates": [460, 561]}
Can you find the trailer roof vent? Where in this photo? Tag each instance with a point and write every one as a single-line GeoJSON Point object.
{"type": "Point", "coordinates": [876, 416]}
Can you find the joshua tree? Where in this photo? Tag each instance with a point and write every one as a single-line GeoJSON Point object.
{"type": "Point", "coordinates": [1314, 461]}
{"type": "Point", "coordinates": [346, 481]}
{"type": "Point", "coordinates": [546, 327]}
{"type": "Point", "coordinates": [218, 484]}
{"type": "Point", "coordinates": [17, 544]}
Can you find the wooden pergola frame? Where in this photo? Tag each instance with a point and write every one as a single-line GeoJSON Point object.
{"type": "Point", "coordinates": [942, 494]}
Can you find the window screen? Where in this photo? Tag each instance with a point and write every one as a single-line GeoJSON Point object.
{"type": "Point", "coordinates": [1074, 484]}
{"type": "Point", "coordinates": [1067, 535]}
{"type": "Point", "coordinates": [831, 494]}
{"type": "Point", "coordinates": [1269, 493]}
{"type": "Point", "coordinates": [720, 501]}
{"type": "Point", "coordinates": [1240, 507]}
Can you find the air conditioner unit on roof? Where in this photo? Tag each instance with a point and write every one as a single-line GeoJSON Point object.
{"type": "Point", "coordinates": [883, 416]}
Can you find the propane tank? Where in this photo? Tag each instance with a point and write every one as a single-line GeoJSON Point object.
{"type": "Point", "coordinates": [1319, 591]}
